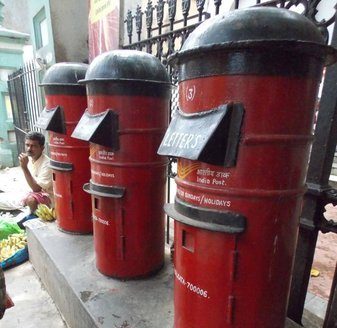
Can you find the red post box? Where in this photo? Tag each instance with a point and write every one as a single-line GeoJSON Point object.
{"type": "Point", "coordinates": [128, 105]}
{"type": "Point", "coordinates": [248, 83]}
{"type": "Point", "coordinates": [65, 103]}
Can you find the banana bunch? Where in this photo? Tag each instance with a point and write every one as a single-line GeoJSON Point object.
{"type": "Point", "coordinates": [9, 246]}
{"type": "Point", "coordinates": [45, 213]}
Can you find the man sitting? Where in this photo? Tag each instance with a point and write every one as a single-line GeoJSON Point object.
{"type": "Point", "coordinates": [35, 166]}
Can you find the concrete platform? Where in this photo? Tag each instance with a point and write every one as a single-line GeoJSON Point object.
{"type": "Point", "coordinates": [87, 299]}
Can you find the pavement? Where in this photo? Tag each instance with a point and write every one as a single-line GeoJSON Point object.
{"type": "Point", "coordinates": [34, 308]}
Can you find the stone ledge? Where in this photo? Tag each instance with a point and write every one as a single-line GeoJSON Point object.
{"type": "Point", "coordinates": [88, 299]}
{"type": "Point", "coordinates": [85, 297]}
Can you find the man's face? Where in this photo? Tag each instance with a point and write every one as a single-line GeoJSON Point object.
{"type": "Point", "coordinates": [33, 148]}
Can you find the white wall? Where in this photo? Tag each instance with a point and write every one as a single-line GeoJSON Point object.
{"type": "Point", "coordinates": [16, 15]}
{"type": "Point", "coordinates": [70, 29]}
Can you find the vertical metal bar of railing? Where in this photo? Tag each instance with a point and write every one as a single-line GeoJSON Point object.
{"type": "Point", "coordinates": [36, 98]}
{"type": "Point", "coordinates": [30, 93]}
{"type": "Point", "coordinates": [23, 128]}
{"type": "Point", "coordinates": [331, 314]}
{"type": "Point", "coordinates": [26, 93]}
{"type": "Point", "coordinates": [22, 94]}
{"type": "Point", "coordinates": [320, 164]}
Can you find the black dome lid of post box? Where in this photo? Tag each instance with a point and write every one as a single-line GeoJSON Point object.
{"type": "Point", "coordinates": [64, 74]}
{"type": "Point", "coordinates": [127, 65]}
{"type": "Point", "coordinates": [257, 28]}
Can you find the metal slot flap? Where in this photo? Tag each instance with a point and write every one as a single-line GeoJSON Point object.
{"type": "Point", "coordinates": [101, 129]}
{"type": "Point", "coordinates": [205, 218]}
{"type": "Point", "coordinates": [61, 166]}
{"type": "Point", "coordinates": [52, 120]}
{"type": "Point", "coordinates": [103, 191]}
{"type": "Point", "coordinates": [212, 136]}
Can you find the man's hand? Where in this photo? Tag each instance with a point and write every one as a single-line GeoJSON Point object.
{"type": "Point", "coordinates": [23, 159]}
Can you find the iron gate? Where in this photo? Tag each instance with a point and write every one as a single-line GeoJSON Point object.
{"type": "Point", "coordinates": [25, 100]}
{"type": "Point", "coordinates": [168, 35]}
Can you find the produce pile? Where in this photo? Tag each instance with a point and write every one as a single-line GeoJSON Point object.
{"type": "Point", "coordinates": [10, 245]}
{"type": "Point", "coordinates": [13, 242]}
{"type": "Point", "coordinates": [45, 213]}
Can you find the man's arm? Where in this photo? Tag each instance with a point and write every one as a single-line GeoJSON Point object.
{"type": "Point", "coordinates": [23, 159]}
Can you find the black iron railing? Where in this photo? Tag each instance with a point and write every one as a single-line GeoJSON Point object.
{"type": "Point", "coordinates": [26, 100]}
{"type": "Point", "coordinates": [162, 24]}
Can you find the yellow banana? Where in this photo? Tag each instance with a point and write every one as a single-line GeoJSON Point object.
{"type": "Point", "coordinates": [10, 245]}
{"type": "Point", "coordinates": [45, 213]}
